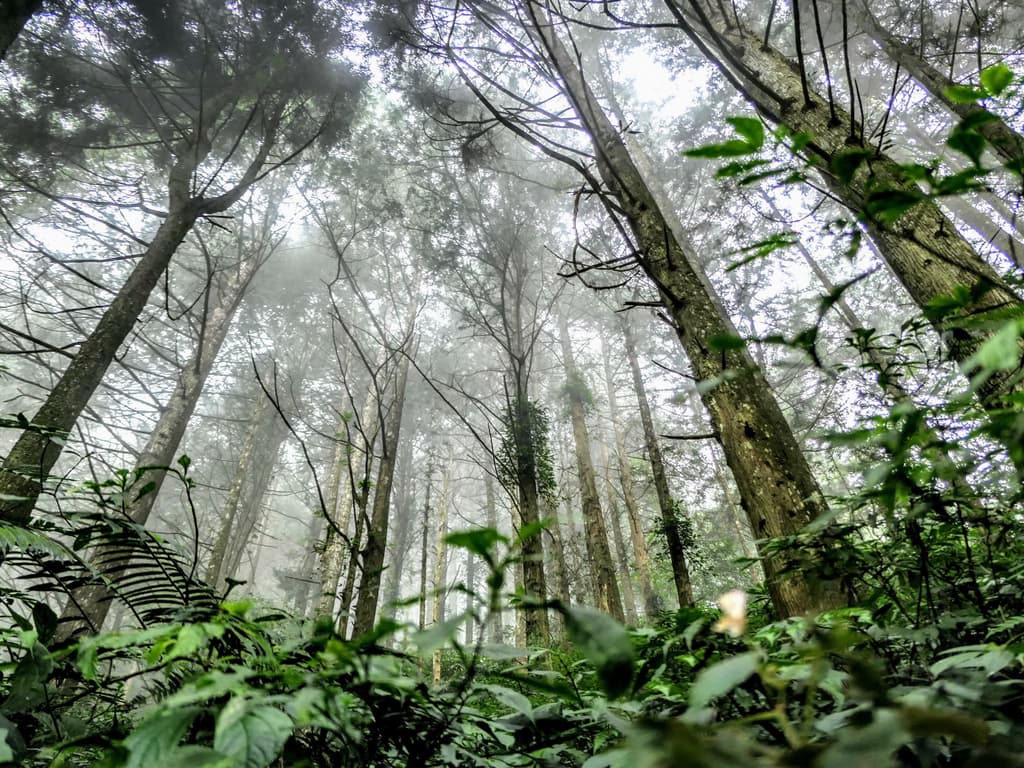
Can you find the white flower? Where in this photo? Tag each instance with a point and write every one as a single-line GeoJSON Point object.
{"type": "Point", "coordinates": [734, 613]}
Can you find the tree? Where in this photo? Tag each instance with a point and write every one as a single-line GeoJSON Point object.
{"type": "Point", "coordinates": [779, 491]}
{"type": "Point", "coordinates": [216, 118]}
{"type": "Point", "coordinates": [608, 596]}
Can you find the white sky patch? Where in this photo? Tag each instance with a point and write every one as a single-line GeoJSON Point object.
{"type": "Point", "coordinates": [675, 91]}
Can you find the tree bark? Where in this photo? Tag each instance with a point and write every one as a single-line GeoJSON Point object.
{"type": "Point", "coordinates": [608, 596]}
{"type": "Point", "coordinates": [245, 507]}
{"type": "Point", "coordinates": [441, 564]}
{"type": "Point", "coordinates": [34, 455]}
{"type": "Point", "coordinates": [651, 603]}
{"type": "Point", "coordinates": [496, 630]}
{"type": "Point", "coordinates": [88, 608]}
{"type": "Point", "coordinates": [923, 248]}
{"type": "Point", "coordinates": [1004, 140]}
{"type": "Point", "coordinates": [780, 493]}
{"type": "Point", "coordinates": [611, 504]}
{"type": "Point", "coordinates": [13, 17]}
{"type": "Point", "coordinates": [377, 531]}
{"type": "Point", "coordinates": [667, 505]}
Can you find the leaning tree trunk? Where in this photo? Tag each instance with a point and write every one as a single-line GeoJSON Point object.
{"type": "Point", "coordinates": [669, 514]}
{"type": "Point", "coordinates": [922, 248]}
{"type": "Point", "coordinates": [779, 491]}
{"type": "Point", "coordinates": [608, 596]}
{"type": "Point", "coordinates": [89, 606]}
{"type": "Point", "coordinates": [13, 17]}
{"type": "Point", "coordinates": [33, 456]}
{"type": "Point", "coordinates": [1007, 142]}
{"type": "Point", "coordinates": [641, 555]}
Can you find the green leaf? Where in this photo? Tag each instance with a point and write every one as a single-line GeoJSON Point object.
{"type": "Point", "coordinates": [6, 753]}
{"type": "Point", "coordinates": [996, 79]}
{"type": "Point", "coordinates": [1002, 351]}
{"type": "Point", "coordinates": [964, 94]}
{"type": "Point", "coordinates": [514, 700]}
{"type": "Point", "coordinates": [969, 143]}
{"type": "Point", "coordinates": [845, 163]}
{"type": "Point", "coordinates": [733, 148]}
{"type": "Point", "coordinates": [605, 644]}
{"type": "Point", "coordinates": [253, 736]}
{"type": "Point", "coordinates": [438, 635]}
{"type": "Point", "coordinates": [889, 204]}
{"type": "Point", "coordinates": [479, 541]}
{"type": "Point", "coordinates": [721, 678]}
{"type": "Point", "coordinates": [723, 342]}
{"type": "Point", "coordinates": [750, 128]}
{"type": "Point", "coordinates": [157, 736]}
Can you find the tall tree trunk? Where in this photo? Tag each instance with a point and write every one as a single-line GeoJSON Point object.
{"type": "Point", "coordinates": [245, 505]}
{"type": "Point", "coordinates": [923, 248]}
{"type": "Point", "coordinates": [346, 501]}
{"type": "Point", "coordinates": [377, 531]}
{"type": "Point", "coordinates": [608, 597]}
{"type": "Point", "coordinates": [471, 587]}
{"type": "Point", "coordinates": [667, 505]}
{"type": "Point", "coordinates": [1004, 140]}
{"type": "Point", "coordinates": [535, 621]}
{"type": "Point", "coordinates": [88, 608]}
{"type": "Point", "coordinates": [614, 520]}
{"type": "Point", "coordinates": [13, 17]}
{"type": "Point", "coordinates": [441, 563]}
{"type": "Point", "coordinates": [304, 594]}
{"type": "Point", "coordinates": [424, 548]}
{"type": "Point", "coordinates": [258, 427]}
{"type": "Point", "coordinates": [496, 628]}
{"type": "Point", "coordinates": [400, 547]}
{"type": "Point", "coordinates": [776, 483]}
{"type": "Point", "coordinates": [33, 456]}
{"type": "Point", "coordinates": [651, 603]}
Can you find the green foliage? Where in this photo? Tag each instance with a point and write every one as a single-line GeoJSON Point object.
{"type": "Point", "coordinates": [525, 444]}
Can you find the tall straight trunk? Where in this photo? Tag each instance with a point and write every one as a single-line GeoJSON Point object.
{"type": "Point", "coordinates": [304, 593]}
{"type": "Point", "coordinates": [245, 508]}
{"type": "Point", "coordinates": [779, 491]}
{"type": "Point", "coordinates": [923, 248]}
{"type": "Point", "coordinates": [90, 605]}
{"type": "Point", "coordinates": [441, 563]}
{"type": "Point", "coordinates": [377, 531]}
{"type": "Point", "coordinates": [424, 549]}
{"type": "Point", "coordinates": [641, 556]}
{"type": "Point", "coordinates": [609, 598]}
{"type": "Point", "coordinates": [1006, 142]}
{"type": "Point", "coordinates": [667, 505]}
{"type": "Point", "coordinates": [535, 621]}
{"type": "Point", "coordinates": [13, 17]}
{"type": "Point", "coordinates": [615, 522]}
{"type": "Point", "coordinates": [352, 573]}
{"type": "Point", "coordinates": [401, 546]}
{"type": "Point", "coordinates": [471, 587]}
{"type": "Point", "coordinates": [258, 428]}
{"type": "Point", "coordinates": [555, 558]}
{"type": "Point", "coordinates": [252, 510]}
{"type": "Point", "coordinates": [496, 630]}
{"type": "Point", "coordinates": [346, 501]}
{"type": "Point", "coordinates": [33, 456]}
{"type": "Point", "coordinates": [338, 506]}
